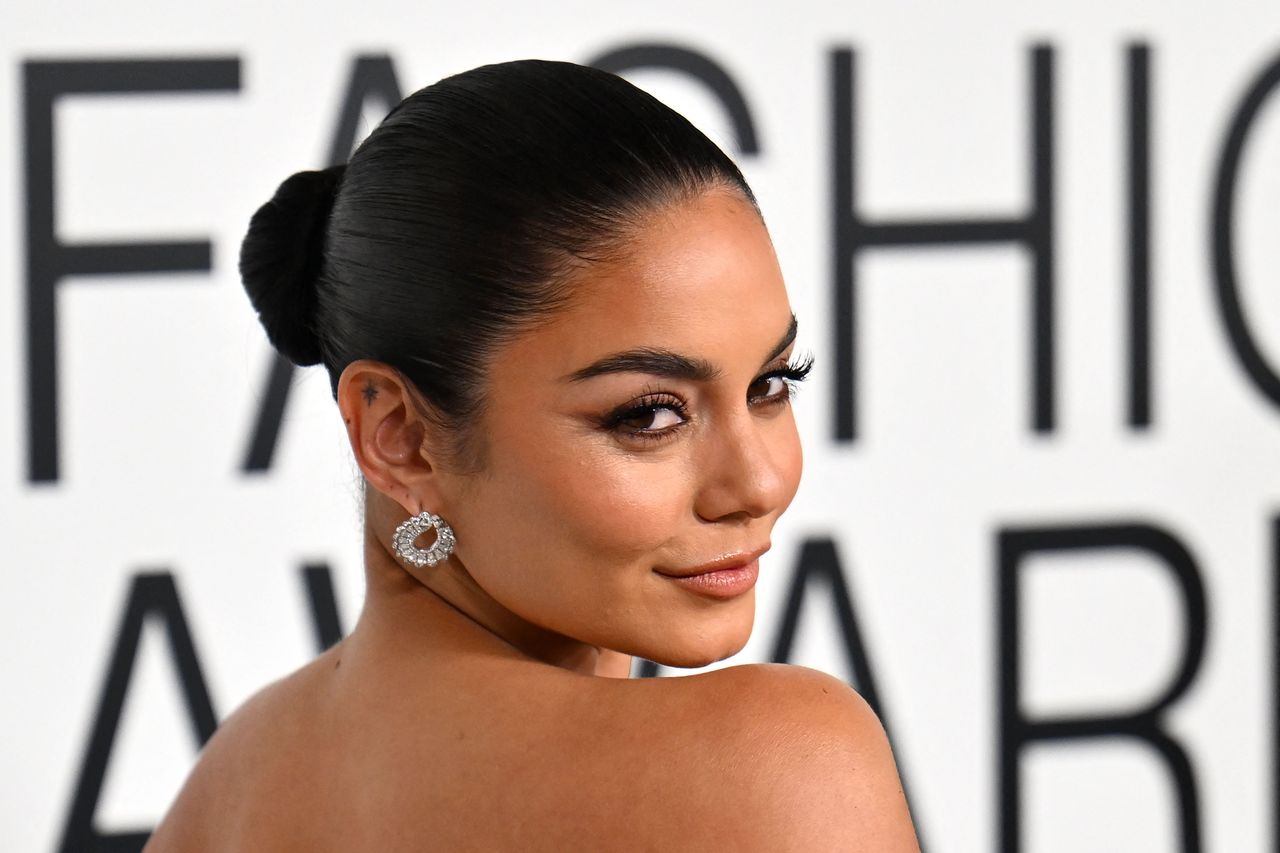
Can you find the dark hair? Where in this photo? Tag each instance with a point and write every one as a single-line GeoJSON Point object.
{"type": "Point", "coordinates": [456, 221]}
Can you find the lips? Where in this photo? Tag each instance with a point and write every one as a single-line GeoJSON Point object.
{"type": "Point", "coordinates": [736, 560]}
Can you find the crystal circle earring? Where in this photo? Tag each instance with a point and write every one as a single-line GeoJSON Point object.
{"type": "Point", "coordinates": [409, 531]}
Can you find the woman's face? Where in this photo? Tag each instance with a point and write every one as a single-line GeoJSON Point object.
{"type": "Point", "coordinates": [642, 433]}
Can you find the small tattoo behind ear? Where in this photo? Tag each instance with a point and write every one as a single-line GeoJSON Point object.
{"type": "Point", "coordinates": [370, 393]}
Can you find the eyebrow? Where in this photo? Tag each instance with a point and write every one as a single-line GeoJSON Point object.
{"type": "Point", "coordinates": [663, 362]}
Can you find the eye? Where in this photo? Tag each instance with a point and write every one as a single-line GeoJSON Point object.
{"type": "Point", "coordinates": [767, 387]}
{"type": "Point", "coordinates": [649, 417]}
{"type": "Point", "coordinates": [779, 386]}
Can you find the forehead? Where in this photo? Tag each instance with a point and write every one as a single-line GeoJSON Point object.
{"type": "Point", "coordinates": [700, 278]}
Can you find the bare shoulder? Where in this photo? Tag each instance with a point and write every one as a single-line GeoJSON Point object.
{"type": "Point", "coordinates": [208, 809]}
{"type": "Point", "coordinates": [808, 754]}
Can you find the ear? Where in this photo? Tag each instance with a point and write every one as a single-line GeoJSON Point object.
{"type": "Point", "coordinates": [388, 434]}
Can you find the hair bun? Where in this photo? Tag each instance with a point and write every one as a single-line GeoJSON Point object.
{"type": "Point", "coordinates": [280, 260]}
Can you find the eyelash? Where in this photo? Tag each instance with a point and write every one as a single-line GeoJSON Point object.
{"type": "Point", "coordinates": [651, 400]}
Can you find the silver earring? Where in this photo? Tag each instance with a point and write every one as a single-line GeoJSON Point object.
{"type": "Point", "coordinates": [409, 531]}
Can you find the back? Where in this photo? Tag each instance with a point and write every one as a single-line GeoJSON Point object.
{"type": "Point", "coordinates": [764, 757]}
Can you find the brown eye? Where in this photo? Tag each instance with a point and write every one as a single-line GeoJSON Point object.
{"type": "Point", "coordinates": [768, 387]}
{"type": "Point", "coordinates": [777, 386]}
{"type": "Point", "coordinates": [650, 419]}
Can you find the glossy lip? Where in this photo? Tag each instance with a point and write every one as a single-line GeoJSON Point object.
{"type": "Point", "coordinates": [729, 561]}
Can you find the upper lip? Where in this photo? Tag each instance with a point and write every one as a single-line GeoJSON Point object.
{"type": "Point", "coordinates": [728, 561]}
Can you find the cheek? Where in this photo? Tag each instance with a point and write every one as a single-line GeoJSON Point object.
{"type": "Point", "coordinates": [587, 506]}
{"type": "Point", "coordinates": [620, 506]}
{"type": "Point", "coordinates": [792, 461]}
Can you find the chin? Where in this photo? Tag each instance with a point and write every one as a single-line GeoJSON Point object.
{"type": "Point", "coordinates": [701, 647]}
{"type": "Point", "coordinates": [693, 661]}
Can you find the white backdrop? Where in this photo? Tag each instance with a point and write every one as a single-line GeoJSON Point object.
{"type": "Point", "coordinates": [1023, 536]}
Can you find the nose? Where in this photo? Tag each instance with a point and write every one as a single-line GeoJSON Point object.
{"type": "Point", "coordinates": [750, 469]}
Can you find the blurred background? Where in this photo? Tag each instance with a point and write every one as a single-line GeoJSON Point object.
{"type": "Point", "coordinates": [1033, 245]}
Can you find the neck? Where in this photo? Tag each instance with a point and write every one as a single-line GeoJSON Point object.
{"type": "Point", "coordinates": [405, 609]}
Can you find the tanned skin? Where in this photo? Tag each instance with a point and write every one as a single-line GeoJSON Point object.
{"type": "Point", "coordinates": [484, 703]}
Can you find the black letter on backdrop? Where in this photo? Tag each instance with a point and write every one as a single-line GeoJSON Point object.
{"type": "Point", "coordinates": [1224, 265]}
{"type": "Point", "coordinates": [371, 77]}
{"type": "Point", "coordinates": [700, 67]}
{"type": "Point", "coordinates": [49, 259]}
{"type": "Point", "coordinates": [150, 594]}
{"type": "Point", "coordinates": [1017, 731]}
{"type": "Point", "coordinates": [1139, 156]}
{"type": "Point", "coordinates": [853, 234]}
{"type": "Point", "coordinates": [820, 563]}
{"type": "Point", "coordinates": [318, 581]}
{"type": "Point", "coordinates": [642, 668]}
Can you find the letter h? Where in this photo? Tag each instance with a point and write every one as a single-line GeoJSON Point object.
{"type": "Point", "coordinates": [854, 233]}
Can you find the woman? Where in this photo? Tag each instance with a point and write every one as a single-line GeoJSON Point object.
{"type": "Point", "coordinates": [561, 345]}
